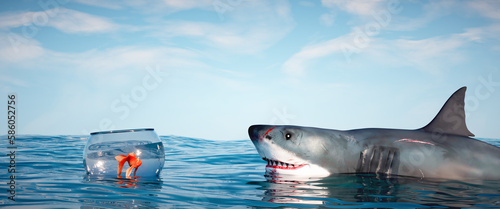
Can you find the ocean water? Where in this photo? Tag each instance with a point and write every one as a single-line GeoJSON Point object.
{"type": "Point", "coordinates": [211, 174]}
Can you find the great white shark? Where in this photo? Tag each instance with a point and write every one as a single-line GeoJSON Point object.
{"type": "Point", "coordinates": [441, 149]}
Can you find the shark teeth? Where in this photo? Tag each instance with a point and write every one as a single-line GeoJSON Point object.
{"type": "Point", "coordinates": [279, 163]}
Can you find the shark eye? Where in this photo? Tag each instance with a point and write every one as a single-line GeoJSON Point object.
{"type": "Point", "coordinates": [288, 136]}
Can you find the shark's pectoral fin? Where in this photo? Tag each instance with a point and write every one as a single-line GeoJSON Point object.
{"type": "Point", "coordinates": [451, 117]}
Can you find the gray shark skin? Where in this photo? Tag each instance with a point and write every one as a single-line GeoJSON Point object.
{"type": "Point", "coordinates": [441, 149]}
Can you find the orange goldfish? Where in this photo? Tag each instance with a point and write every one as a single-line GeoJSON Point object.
{"type": "Point", "coordinates": [132, 160]}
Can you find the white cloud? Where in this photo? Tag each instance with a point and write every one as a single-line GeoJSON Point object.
{"type": "Point", "coordinates": [28, 54]}
{"type": "Point", "coordinates": [23, 46]}
{"type": "Point", "coordinates": [487, 8]}
{"type": "Point", "coordinates": [436, 9]}
{"type": "Point", "coordinates": [133, 58]}
{"type": "Point", "coordinates": [481, 34]}
{"type": "Point", "coordinates": [66, 20]}
{"type": "Point", "coordinates": [109, 4]}
{"type": "Point", "coordinates": [367, 10]}
{"type": "Point", "coordinates": [328, 19]}
{"type": "Point", "coordinates": [248, 28]}
{"type": "Point", "coordinates": [432, 55]}
{"type": "Point", "coordinates": [13, 20]}
{"type": "Point", "coordinates": [307, 3]}
{"type": "Point", "coordinates": [71, 21]}
{"type": "Point", "coordinates": [188, 4]}
{"type": "Point", "coordinates": [298, 63]}
{"type": "Point", "coordinates": [161, 7]}
{"type": "Point", "coordinates": [13, 81]}
{"type": "Point", "coordinates": [15, 48]}
{"type": "Point", "coordinates": [358, 7]}
{"type": "Point", "coordinates": [429, 55]}
{"type": "Point", "coordinates": [431, 11]}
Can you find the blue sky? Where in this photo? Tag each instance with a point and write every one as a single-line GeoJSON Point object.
{"type": "Point", "coordinates": [211, 68]}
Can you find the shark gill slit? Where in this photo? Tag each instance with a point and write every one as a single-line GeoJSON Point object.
{"type": "Point", "coordinates": [379, 160]}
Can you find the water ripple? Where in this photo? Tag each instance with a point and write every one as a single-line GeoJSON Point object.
{"type": "Point", "coordinates": [208, 174]}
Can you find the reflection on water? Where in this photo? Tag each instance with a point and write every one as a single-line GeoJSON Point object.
{"type": "Point", "coordinates": [367, 190]}
{"type": "Point", "coordinates": [148, 183]}
{"type": "Point", "coordinates": [106, 192]}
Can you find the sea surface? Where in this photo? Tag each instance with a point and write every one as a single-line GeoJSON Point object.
{"type": "Point", "coordinates": [214, 174]}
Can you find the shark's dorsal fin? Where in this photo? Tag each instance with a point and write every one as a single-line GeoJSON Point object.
{"type": "Point", "coordinates": [451, 117]}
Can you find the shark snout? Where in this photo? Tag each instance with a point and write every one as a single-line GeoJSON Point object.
{"type": "Point", "coordinates": [253, 132]}
{"type": "Point", "coordinates": [257, 132]}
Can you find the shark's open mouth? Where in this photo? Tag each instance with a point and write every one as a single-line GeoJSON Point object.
{"type": "Point", "coordinates": [282, 165]}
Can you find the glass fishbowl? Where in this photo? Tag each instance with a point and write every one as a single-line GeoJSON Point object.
{"type": "Point", "coordinates": [124, 153]}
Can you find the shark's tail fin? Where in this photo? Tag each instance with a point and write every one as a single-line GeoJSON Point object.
{"type": "Point", "coordinates": [451, 117]}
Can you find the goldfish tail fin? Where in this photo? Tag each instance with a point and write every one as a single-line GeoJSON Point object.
{"type": "Point", "coordinates": [121, 160]}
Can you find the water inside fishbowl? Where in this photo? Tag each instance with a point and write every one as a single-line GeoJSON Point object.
{"type": "Point", "coordinates": [100, 157]}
